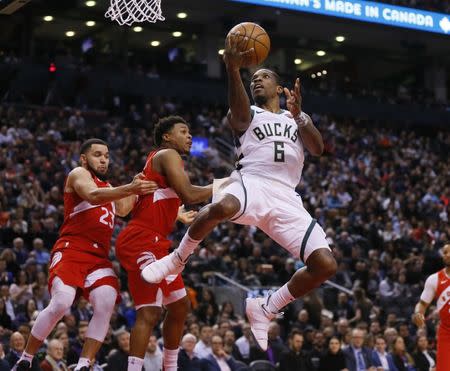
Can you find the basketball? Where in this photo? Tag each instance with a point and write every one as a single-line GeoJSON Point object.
{"type": "Point", "coordinates": [258, 39]}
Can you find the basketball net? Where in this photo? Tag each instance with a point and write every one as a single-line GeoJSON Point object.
{"type": "Point", "coordinates": [130, 11]}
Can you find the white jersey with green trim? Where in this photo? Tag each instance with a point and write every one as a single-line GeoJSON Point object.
{"type": "Point", "coordinates": [271, 147]}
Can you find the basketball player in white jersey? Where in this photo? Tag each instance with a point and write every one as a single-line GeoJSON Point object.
{"type": "Point", "coordinates": [261, 191]}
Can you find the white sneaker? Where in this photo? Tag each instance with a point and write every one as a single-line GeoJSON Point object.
{"type": "Point", "coordinates": [259, 318]}
{"type": "Point", "coordinates": [158, 270]}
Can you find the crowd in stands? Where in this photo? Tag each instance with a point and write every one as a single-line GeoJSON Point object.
{"type": "Point", "coordinates": [381, 193]}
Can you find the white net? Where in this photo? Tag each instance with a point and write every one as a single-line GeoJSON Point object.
{"type": "Point", "coordinates": [130, 11]}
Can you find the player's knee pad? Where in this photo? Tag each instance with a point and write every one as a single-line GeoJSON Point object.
{"type": "Point", "coordinates": [103, 299]}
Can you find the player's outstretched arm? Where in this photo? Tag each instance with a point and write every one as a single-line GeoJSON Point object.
{"type": "Point", "coordinates": [171, 166]}
{"type": "Point", "coordinates": [82, 183]}
{"type": "Point", "coordinates": [311, 137]}
{"type": "Point", "coordinates": [239, 115]}
{"type": "Point", "coordinates": [125, 205]}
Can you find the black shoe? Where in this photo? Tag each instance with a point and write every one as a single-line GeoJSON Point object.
{"type": "Point", "coordinates": [23, 366]}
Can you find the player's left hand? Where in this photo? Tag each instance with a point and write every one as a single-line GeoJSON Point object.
{"type": "Point", "coordinates": [186, 217]}
{"type": "Point", "coordinates": [294, 99]}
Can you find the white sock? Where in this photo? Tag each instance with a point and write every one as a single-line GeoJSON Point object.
{"type": "Point", "coordinates": [279, 299]}
{"type": "Point", "coordinates": [135, 363]}
{"type": "Point", "coordinates": [187, 247]}
{"type": "Point", "coordinates": [170, 359]}
{"type": "Point", "coordinates": [82, 362]}
{"type": "Point", "coordinates": [26, 357]}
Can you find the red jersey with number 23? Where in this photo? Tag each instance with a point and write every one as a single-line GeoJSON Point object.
{"type": "Point", "coordinates": [87, 227]}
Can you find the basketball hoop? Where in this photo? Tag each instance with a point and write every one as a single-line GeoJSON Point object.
{"type": "Point", "coordinates": [130, 11]}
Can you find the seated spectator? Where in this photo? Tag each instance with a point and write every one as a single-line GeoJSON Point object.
{"type": "Point", "coordinates": [118, 359]}
{"type": "Point", "coordinates": [4, 365]}
{"type": "Point", "coordinates": [244, 342]}
{"type": "Point", "coordinates": [295, 359]}
{"type": "Point", "coordinates": [230, 346]}
{"type": "Point", "coordinates": [334, 358]}
{"type": "Point", "coordinates": [424, 359]}
{"type": "Point", "coordinates": [10, 307]}
{"type": "Point", "coordinates": [203, 347]}
{"type": "Point", "coordinates": [16, 347]}
{"type": "Point", "coordinates": [21, 291]}
{"type": "Point", "coordinates": [41, 254]}
{"type": "Point", "coordinates": [274, 349]}
{"type": "Point", "coordinates": [76, 344]}
{"type": "Point", "coordinates": [357, 357]}
{"type": "Point", "coordinates": [317, 351]}
{"type": "Point", "coordinates": [5, 319]}
{"type": "Point", "coordinates": [402, 359]}
{"type": "Point", "coordinates": [54, 359]}
{"type": "Point", "coordinates": [153, 355]}
{"type": "Point", "coordinates": [6, 277]}
{"type": "Point", "coordinates": [381, 358]}
{"type": "Point", "coordinates": [187, 359]}
{"type": "Point", "coordinates": [219, 360]}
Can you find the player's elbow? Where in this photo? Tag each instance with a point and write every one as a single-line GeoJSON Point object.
{"type": "Point", "coordinates": [316, 149]}
{"type": "Point", "coordinates": [93, 197]}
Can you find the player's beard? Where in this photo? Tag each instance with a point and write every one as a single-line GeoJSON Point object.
{"type": "Point", "coordinates": [260, 100]}
{"type": "Point", "coordinates": [102, 177]}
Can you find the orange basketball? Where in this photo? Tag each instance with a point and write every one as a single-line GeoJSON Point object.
{"type": "Point", "coordinates": [258, 39]}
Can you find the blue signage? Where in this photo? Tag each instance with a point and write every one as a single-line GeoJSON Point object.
{"type": "Point", "coordinates": [199, 145]}
{"type": "Point", "coordinates": [367, 11]}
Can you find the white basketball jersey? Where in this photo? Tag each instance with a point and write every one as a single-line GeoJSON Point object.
{"type": "Point", "coordinates": [271, 147]}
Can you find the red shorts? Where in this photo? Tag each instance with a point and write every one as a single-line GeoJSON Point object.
{"type": "Point", "coordinates": [82, 270]}
{"type": "Point", "coordinates": [443, 351]}
{"type": "Point", "coordinates": [136, 248]}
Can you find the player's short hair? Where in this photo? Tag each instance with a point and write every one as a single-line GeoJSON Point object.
{"type": "Point", "coordinates": [164, 125]}
{"type": "Point", "coordinates": [86, 145]}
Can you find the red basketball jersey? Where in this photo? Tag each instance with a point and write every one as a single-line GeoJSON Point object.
{"type": "Point", "coordinates": [87, 227]}
{"type": "Point", "coordinates": [443, 301]}
{"type": "Point", "coordinates": [158, 211]}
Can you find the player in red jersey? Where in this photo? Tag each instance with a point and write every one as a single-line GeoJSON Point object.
{"type": "Point", "coordinates": [145, 239]}
{"type": "Point", "coordinates": [437, 286]}
{"type": "Point", "coordinates": [79, 261]}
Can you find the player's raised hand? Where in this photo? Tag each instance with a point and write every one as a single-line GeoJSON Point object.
{"type": "Point", "coordinates": [140, 186]}
{"type": "Point", "coordinates": [186, 217]}
{"type": "Point", "coordinates": [419, 320]}
{"type": "Point", "coordinates": [233, 55]}
{"type": "Point", "coordinates": [294, 99]}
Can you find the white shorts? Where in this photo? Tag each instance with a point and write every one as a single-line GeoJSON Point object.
{"type": "Point", "coordinates": [275, 209]}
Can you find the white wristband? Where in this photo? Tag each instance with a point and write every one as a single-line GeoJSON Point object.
{"type": "Point", "coordinates": [301, 120]}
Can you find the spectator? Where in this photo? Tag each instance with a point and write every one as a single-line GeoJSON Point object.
{"type": "Point", "coordinates": [317, 351]}
{"type": "Point", "coordinates": [295, 359]}
{"type": "Point", "coordinates": [219, 360]}
{"type": "Point", "coordinates": [21, 291]}
{"type": "Point", "coordinates": [118, 359]}
{"type": "Point", "coordinates": [203, 347]}
{"type": "Point", "coordinates": [402, 359]}
{"type": "Point", "coordinates": [54, 359]}
{"type": "Point", "coordinates": [334, 358]}
{"type": "Point", "coordinates": [42, 256]}
{"type": "Point", "coordinates": [424, 359]}
{"type": "Point", "coordinates": [230, 346]}
{"type": "Point", "coordinates": [153, 355]}
{"type": "Point", "coordinates": [187, 359]}
{"type": "Point", "coordinates": [357, 357]}
{"type": "Point", "coordinates": [4, 365]}
{"type": "Point", "coordinates": [245, 341]}
{"type": "Point", "coordinates": [17, 345]}
{"type": "Point", "coordinates": [275, 346]}
{"type": "Point", "coordinates": [5, 319]}
{"type": "Point", "coordinates": [381, 358]}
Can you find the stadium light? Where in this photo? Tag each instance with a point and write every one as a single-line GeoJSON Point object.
{"type": "Point", "coordinates": [324, 72]}
{"type": "Point", "coordinates": [298, 61]}
{"type": "Point", "coordinates": [321, 53]}
{"type": "Point", "coordinates": [313, 76]}
{"type": "Point", "coordinates": [177, 34]}
{"type": "Point", "coordinates": [48, 18]}
{"type": "Point", "coordinates": [90, 23]}
{"type": "Point", "coordinates": [340, 39]}
{"type": "Point", "coordinates": [221, 51]}
{"type": "Point", "coordinates": [155, 43]}
{"type": "Point", "coordinates": [90, 3]}
{"type": "Point", "coordinates": [182, 15]}
{"type": "Point", "coordinates": [137, 29]}
{"type": "Point", "coordinates": [319, 74]}
{"type": "Point", "coordinates": [70, 33]}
